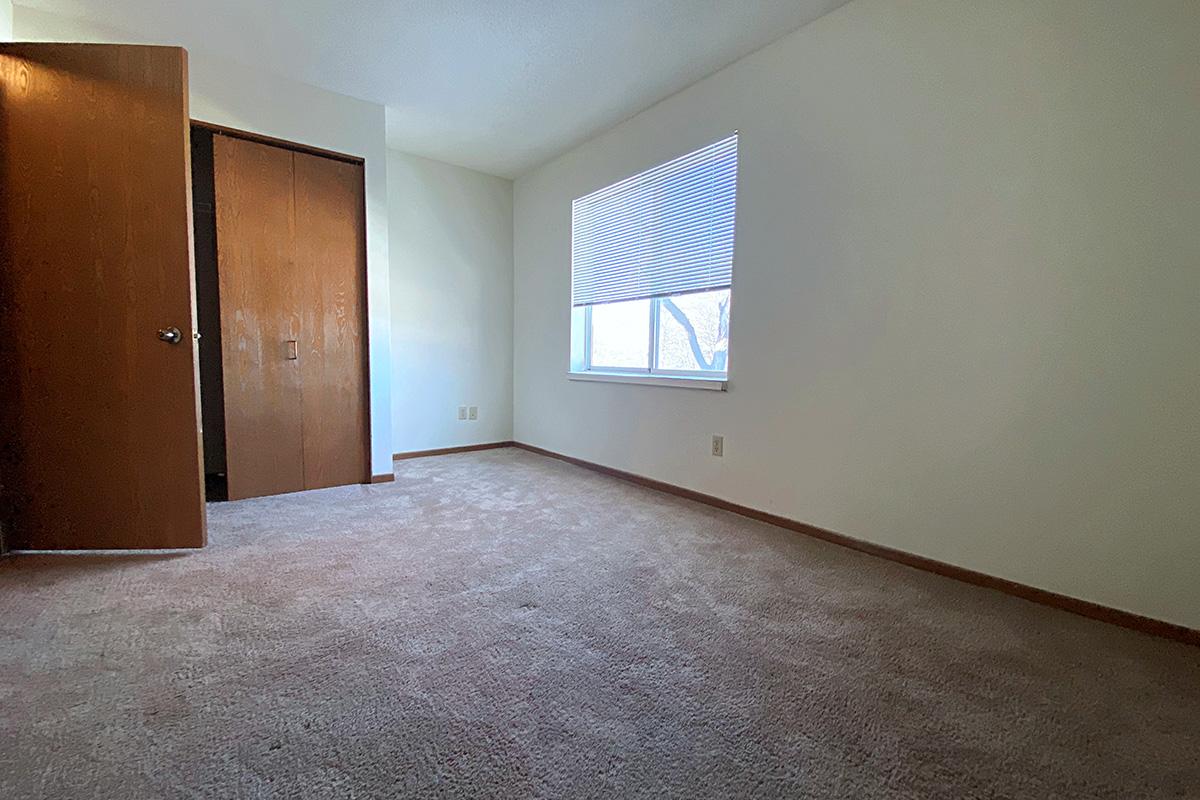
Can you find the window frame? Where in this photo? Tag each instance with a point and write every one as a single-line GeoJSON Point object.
{"type": "Point", "coordinates": [653, 370]}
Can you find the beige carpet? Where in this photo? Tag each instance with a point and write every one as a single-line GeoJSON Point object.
{"type": "Point", "coordinates": [500, 624]}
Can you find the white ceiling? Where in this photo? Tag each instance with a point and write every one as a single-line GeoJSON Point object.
{"type": "Point", "coordinates": [496, 85]}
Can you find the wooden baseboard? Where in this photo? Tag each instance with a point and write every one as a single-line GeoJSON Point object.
{"type": "Point", "coordinates": [441, 451]}
{"type": "Point", "coordinates": [384, 478]}
{"type": "Point", "coordinates": [1085, 608]}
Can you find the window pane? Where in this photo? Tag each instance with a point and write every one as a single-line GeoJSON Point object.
{"type": "Point", "coordinates": [693, 332]}
{"type": "Point", "coordinates": [621, 335]}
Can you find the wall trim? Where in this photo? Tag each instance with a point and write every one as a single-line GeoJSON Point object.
{"type": "Point", "coordinates": [1084, 608]}
{"type": "Point", "coordinates": [442, 451]}
{"type": "Point", "coordinates": [383, 477]}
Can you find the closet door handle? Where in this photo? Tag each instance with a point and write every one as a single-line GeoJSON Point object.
{"type": "Point", "coordinates": [293, 352]}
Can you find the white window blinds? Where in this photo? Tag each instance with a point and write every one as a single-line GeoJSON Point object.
{"type": "Point", "coordinates": [666, 231]}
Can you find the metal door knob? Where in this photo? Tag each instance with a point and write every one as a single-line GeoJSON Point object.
{"type": "Point", "coordinates": [170, 335]}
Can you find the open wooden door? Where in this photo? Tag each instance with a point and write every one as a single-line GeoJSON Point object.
{"type": "Point", "coordinates": [99, 413]}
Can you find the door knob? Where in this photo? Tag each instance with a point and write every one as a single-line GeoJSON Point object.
{"type": "Point", "coordinates": [170, 335]}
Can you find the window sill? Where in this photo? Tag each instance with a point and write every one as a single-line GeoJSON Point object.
{"type": "Point", "coordinates": [677, 381]}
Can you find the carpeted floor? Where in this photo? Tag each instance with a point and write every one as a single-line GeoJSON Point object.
{"type": "Point", "coordinates": [499, 624]}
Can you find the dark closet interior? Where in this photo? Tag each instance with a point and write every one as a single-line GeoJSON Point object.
{"type": "Point", "coordinates": [208, 314]}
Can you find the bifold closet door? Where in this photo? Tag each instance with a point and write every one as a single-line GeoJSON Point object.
{"type": "Point", "coordinates": [260, 317]}
{"type": "Point", "coordinates": [331, 253]}
{"type": "Point", "coordinates": [291, 258]}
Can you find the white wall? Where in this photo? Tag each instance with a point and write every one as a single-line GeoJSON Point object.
{"type": "Point", "coordinates": [228, 93]}
{"type": "Point", "coordinates": [452, 273]}
{"type": "Point", "coordinates": [966, 303]}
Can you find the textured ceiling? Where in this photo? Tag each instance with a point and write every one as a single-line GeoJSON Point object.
{"type": "Point", "coordinates": [498, 86]}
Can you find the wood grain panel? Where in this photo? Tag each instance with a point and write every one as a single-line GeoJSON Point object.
{"type": "Point", "coordinates": [260, 300]}
{"type": "Point", "coordinates": [286, 144]}
{"type": "Point", "coordinates": [331, 249]}
{"type": "Point", "coordinates": [99, 418]}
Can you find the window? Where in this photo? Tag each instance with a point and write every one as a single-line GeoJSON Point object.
{"type": "Point", "coordinates": [651, 269]}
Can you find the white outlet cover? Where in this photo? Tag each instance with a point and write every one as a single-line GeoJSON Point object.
{"type": "Point", "coordinates": [462, 412]}
{"type": "Point", "coordinates": [474, 413]}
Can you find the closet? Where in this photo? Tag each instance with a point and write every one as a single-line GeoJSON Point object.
{"type": "Point", "coordinates": [287, 306]}
{"type": "Point", "coordinates": [133, 328]}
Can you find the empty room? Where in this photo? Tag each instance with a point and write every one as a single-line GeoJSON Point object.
{"type": "Point", "coordinates": [630, 399]}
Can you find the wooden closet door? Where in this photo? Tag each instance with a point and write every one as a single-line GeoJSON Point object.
{"type": "Point", "coordinates": [260, 292]}
{"type": "Point", "coordinates": [331, 256]}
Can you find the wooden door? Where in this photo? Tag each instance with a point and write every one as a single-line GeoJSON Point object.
{"type": "Point", "coordinates": [260, 319]}
{"type": "Point", "coordinates": [99, 416]}
{"type": "Point", "coordinates": [331, 255]}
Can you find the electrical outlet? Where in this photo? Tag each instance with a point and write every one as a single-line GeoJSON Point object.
{"type": "Point", "coordinates": [474, 413]}
{"type": "Point", "coordinates": [462, 412]}
{"type": "Point", "coordinates": [718, 448]}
